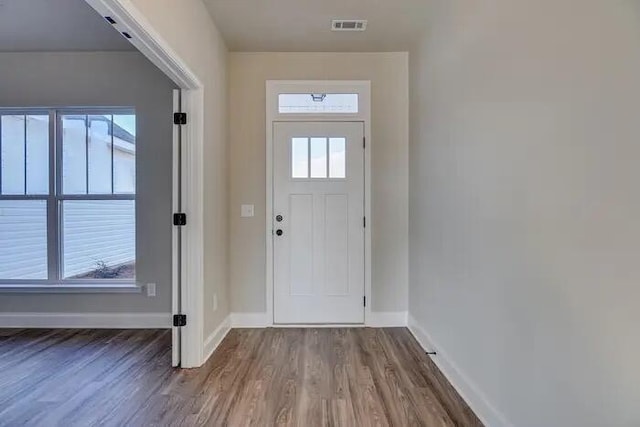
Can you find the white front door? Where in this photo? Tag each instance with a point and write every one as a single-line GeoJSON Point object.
{"type": "Point", "coordinates": [318, 222]}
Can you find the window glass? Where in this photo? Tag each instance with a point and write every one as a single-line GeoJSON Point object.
{"type": "Point", "coordinates": [25, 154]}
{"type": "Point", "coordinates": [124, 153]}
{"type": "Point", "coordinates": [99, 155]}
{"type": "Point", "coordinates": [13, 154]}
{"type": "Point", "coordinates": [37, 154]}
{"type": "Point", "coordinates": [74, 154]}
{"type": "Point", "coordinates": [23, 239]}
{"type": "Point", "coordinates": [99, 239]}
{"type": "Point", "coordinates": [318, 103]}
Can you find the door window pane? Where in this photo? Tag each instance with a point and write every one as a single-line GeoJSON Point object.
{"type": "Point", "coordinates": [124, 153]}
{"type": "Point", "coordinates": [318, 157]}
{"type": "Point", "coordinates": [23, 239]}
{"type": "Point", "coordinates": [74, 154]}
{"type": "Point", "coordinates": [337, 158]}
{"type": "Point", "coordinates": [99, 239]}
{"type": "Point", "coordinates": [300, 157]}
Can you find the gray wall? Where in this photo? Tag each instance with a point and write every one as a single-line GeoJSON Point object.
{"type": "Point", "coordinates": [107, 79]}
{"type": "Point", "coordinates": [524, 204]}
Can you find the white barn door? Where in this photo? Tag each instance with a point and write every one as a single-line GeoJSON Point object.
{"type": "Point", "coordinates": [318, 223]}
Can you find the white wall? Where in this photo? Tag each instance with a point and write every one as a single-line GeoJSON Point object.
{"type": "Point", "coordinates": [524, 205]}
{"type": "Point", "coordinates": [388, 73]}
{"type": "Point", "coordinates": [188, 28]}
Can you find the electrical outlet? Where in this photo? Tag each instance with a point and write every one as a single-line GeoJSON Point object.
{"type": "Point", "coordinates": [151, 289]}
{"type": "Point", "coordinates": [215, 302]}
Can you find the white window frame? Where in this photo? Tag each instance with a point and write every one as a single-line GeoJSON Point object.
{"type": "Point", "coordinates": [55, 198]}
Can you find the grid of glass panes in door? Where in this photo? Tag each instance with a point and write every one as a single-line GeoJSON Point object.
{"type": "Point", "coordinates": [318, 158]}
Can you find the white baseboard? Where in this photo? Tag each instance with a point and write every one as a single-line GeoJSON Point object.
{"type": "Point", "coordinates": [86, 320]}
{"type": "Point", "coordinates": [249, 320]}
{"type": "Point", "coordinates": [466, 388]}
{"type": "Point", "coordinates": [376, 319]}
{"type": "Point", "coordinates": [387, 319]}
{"type": "Point", "coordinates": [213, 341]}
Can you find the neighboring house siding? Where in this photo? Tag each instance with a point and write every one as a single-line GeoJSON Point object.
{"type": "Point", "coordinates": [23, 225]}
{"type": "Point", "coordinates": [101, 230]}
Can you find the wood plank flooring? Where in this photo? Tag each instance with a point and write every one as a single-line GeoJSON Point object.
{"type": "Point", "coordinates": [259, 377]}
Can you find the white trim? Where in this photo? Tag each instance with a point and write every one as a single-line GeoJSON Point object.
{"type": "Point", "coordinates": [273, 88]}
{"type": "Point", "coordinates": [213, 341]}
{"type": "Point", "coordinates": [175, 235]}
{"type": "Point", "coordinates": [86, 320]}
{"type": "Point", "coordinates": [387, 319]}
{"type": "Point", "coordinates": [377, 319]}
{"type": "Point", "coordinates": [192, 235]}
{"type": "Point", "coordinates": [249, 320]}
{"type": "Point", "coordinates": [148, 41]}
{"type": "Point", "coordinates": [466, 388]}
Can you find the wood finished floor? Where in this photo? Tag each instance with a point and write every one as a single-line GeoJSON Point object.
{"type": "Point", "coordinates": [260, 377]}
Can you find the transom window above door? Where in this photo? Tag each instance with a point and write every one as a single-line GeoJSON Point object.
{"type": "Point", "coordinates": [318, 158]}
{"type": "Point", "coordinates": [318, 103]}
{"type": "Point", "coordinates": [67, 196]}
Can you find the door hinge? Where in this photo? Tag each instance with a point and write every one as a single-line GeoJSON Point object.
{"type": "Point", "coordinates": [364, 142]}
{"type": "Point", "coordinates": [364, 301]}
{"type": "Point", "coordinates": [180, 219]}
{"type": "Point", "coordinates": [364, 221]}
{"type": "Point", "coordinates": [179, 320]}
{"type": "Point", "coordinates": [179, 118]}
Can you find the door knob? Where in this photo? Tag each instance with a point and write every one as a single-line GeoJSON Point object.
{"type": "Point", "coordinates": [279, 218]}
{"type": "Point", "coordinates": [279, 232]}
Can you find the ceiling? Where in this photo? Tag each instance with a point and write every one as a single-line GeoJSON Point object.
{"type": "Point", "coordinates": [305, 25]}
{"type": "Point", "coordinates": [55, 25]}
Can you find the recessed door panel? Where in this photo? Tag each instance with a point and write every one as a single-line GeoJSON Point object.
{"type": "Point", "coordinates": [336, 244]}
{"type": "Point", "coordinates": [301, 244]}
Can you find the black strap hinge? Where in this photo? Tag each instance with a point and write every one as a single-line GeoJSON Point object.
{"type": "Point", "coordinates": [180, 219]}
{"type": "Point", "coordinates": [179, 320]}
{"type": "Point", "coordinates": [179, 118]}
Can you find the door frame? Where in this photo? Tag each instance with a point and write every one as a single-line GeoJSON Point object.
{"type": "Point", "coordinates": [363, 89]}
{"type": "Point", "coordinates": [147, 40]}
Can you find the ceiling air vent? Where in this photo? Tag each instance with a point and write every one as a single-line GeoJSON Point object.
{"type": "Point", "coordinates": [348, 25]}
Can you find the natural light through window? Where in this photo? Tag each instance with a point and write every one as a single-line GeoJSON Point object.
{"type": "Point", "coordinates": [318, 103]}
{"type": "Point", "coordinates": [318, 157]}
{"type": "Point", "coordinates": [73, 220]}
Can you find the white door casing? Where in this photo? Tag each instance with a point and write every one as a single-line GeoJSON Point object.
{"type": "Point", "coordinates": [318, 222]}
{"type": "Point", "coordinates": [176, 258]}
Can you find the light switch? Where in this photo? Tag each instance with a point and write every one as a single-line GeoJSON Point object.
{"type": "Point", "coordinates": [246, 211]}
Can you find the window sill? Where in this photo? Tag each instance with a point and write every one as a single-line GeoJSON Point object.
{"type": "Point", "coordinates": [113, 288]}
